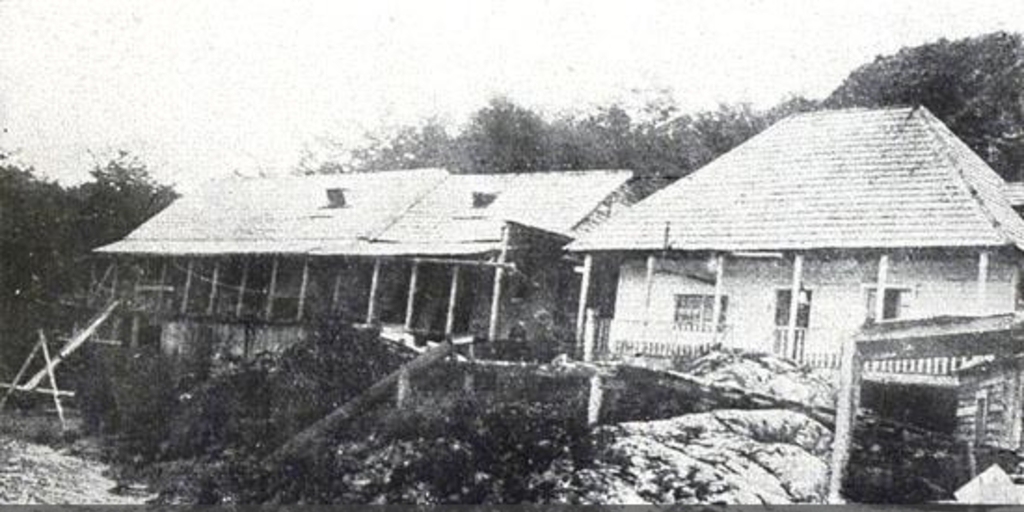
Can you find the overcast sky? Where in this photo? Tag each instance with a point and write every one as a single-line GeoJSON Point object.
{"type": "Point", "coordinates": [200, 89]}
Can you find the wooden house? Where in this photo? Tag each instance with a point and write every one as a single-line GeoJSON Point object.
{"type": "Point", "coordinates": [794, 240]}
{"type": "Point", "coordinates": [423, 253]}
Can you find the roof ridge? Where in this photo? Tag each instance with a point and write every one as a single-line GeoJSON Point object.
{"type": "Point", "coordinates": [928, 119]}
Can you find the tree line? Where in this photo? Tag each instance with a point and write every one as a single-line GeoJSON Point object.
{"type": "Point", "coordinates": [975, 85]}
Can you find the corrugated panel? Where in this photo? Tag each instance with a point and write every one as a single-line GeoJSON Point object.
{"type": "Point", "coordinates": [832, 179]}
{"type": "Point", "coordinates": [1014, 192]}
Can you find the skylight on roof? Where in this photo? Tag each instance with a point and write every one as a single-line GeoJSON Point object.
{"type": "Point", "coordinates": [336, 198]}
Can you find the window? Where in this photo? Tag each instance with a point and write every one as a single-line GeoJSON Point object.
{"type": "Point", "coordinates": [783, 299]}
{"type": "Point", "coordinates": [695, 312]}
{"type": "Point", "coordinates": [896, 299]}
{"type": "Point", "coordinates": [483, 199]}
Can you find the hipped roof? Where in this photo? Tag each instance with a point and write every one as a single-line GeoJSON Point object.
{"type": "Point", "coordinates": [392, 213]}
{"type": "Point", "coordinates": [857, 178]}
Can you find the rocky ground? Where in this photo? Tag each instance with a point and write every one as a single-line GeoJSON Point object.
{"type": "Point", "coordinates": [726, 456]}
{"type": "Point", "coordinates": [37, 474]}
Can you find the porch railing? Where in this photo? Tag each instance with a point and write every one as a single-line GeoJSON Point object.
{"type": "Point", "coordinates": [617, 338]}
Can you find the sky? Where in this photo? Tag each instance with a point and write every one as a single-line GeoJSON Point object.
{"type": "Point", "coordinates": [202, 89]}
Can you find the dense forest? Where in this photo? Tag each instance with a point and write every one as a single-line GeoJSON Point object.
{"type": "Point", "coordinates": [975, 85]}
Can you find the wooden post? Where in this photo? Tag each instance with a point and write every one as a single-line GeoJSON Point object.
{"type": "Point", "coordinates": [594, 399]}
{"type": "Point", "coordinates": [883, 277]}
{"type": "Point", "coordinates": [336, 291]}
{"type": "Point", "coordinates": [716, 311]}
{"type": "Point", "coordinates": [499, 276]}
{"type": "Point", "coordinates": [211, 307]}
{"type": "Point", "coordinates": [91, 289]}
{"type": "Point", "coordinates": [188, 286]}
{"type": "Point", "coordinates": [589, 335]}
{"type": "Point", "coordinates": [453, 294]}
{"type": "Point", "coordinates": [982, 291]}
{"type": "Point", "coordinates": [163, 284]}
{"type": "Point", "coordinates": [402, 388]}
{"type": "Point", "coordinates": [648, 289]}
{"type": "Point", "coordinates": [133, 340]}
{"type": "Point", "coordinates": [269, 311]}
{"type": "Point", "coordinates": [241, 287]}
{"type": "Point", "coordinates": [19, 375]}
{"type": "Point", "coordinates": [848, 401]}
{"type": "Point", "coordinates": [1015, 408]}
{"type": "Point", "coordinates": [113, 280]}
{"type": "Point", "coordinates": [371, 309]}
{"type": "Point", "coordinates": [794, 305]}
{"type": "Point", "coordinates": [53, 380]}
{"type": "Point", "coordinates": [581, 310]}
{"type": "Point", "coordinates": [302, 289]}
{"type": "Point", "coordinates": [410, 302]}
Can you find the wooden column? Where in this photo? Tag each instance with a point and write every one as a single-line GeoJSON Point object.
{"type": "Point", "coordinates": [581, 310]}
{"type": "Point", "coordinates": [336, 292]}
{"type": "Point", "coordinates": [303, 285]}
{"type": "Point", "coordinates": [163, 283]}
{"type": "Point", "coordinates": [133, 340]}
{"type": "Point", "coordinates": [269, 311]}
{"type": "Point", "coordinates": [883, 278]}
{"type": "Point", "coordinates": [410, 303]}
{"type": "Point", "coordinates": [982, 291]}
{"type": "Point", "coordinates": [453, 294]}
{"type": "Point", "coordinates": [716, 311]}
{"type": "Point", "coordinates": [1014, 408]}
{"type": "Point", "coordinates": [499, 276]}
{"type": "Point", "coordinates": [241, 287]}
{"type": "Point", "coordinates": [648, 289]}
{"type": "Point", "coordinates": [211, 307]}
{"type": "Point", "coordinates": [794, 304]}
{"type": "Point", "coordinates": [371, 309]}
{"type": "Point", "coordinates": [848, 402]}
{"type": "Point", "coordinates": [188, 286]}
{"type": "Point", "coordinates": [589, 335]}
{"type": "Point", "coordinates": [595, 397]}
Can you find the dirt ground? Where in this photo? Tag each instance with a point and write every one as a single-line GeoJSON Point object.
{"type": "Point", "coordinates": [37, 474]}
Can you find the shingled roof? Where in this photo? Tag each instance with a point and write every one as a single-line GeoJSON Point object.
{"type": "Point", "coordinates": [858, 178]}
{"type": "Point", "coordinates": [425, 211]}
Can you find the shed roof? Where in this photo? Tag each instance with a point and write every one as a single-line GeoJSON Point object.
{"type": "Point", "coordinates": [424, 211]}
{"type": "Point", "coordinates": [856, 178]}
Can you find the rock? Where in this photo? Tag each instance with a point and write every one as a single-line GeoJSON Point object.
{"type": "Point", "coordinates": [727, 456]}
{"type": "Point", "coordinates": [767, 374]}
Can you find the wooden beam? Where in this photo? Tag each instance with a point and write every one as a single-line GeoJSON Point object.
{"type": "Point", "coordinates": [581, 310]}
{"type": "Point", "coordinates": [648, 289]}
{"type": "Point", "coordinates": [848, 401]}
{"type": "Point", "coordinates": [794, 305]}
{"type": "Point", "coordinates": [303, 285]}
{"type": "Point", "coordinates": [716, 309]}
{"type": "Point", "coordinates": [982, 290]}
{"type": "Point", "coordinates": [212, 302]}
{"type": "Point", "coordinates": [133, 337]}
{"type": "Point", "coordinates": [268, 313]}
{"type": "Point", "coordinates": [410, 303]}
{"type": "Point", "coordinates": [371, 308]}
{"type": "Point", "coordinates": [465, 263]}
{"type": "Point", "coordinates": [880, 284]}
{"type": "Point", "coordinates": [188, 286]}
{"type": "Point", "coordinates": [76, 341]}
{"type": "Point", "coordinates": [306, 444]}
{"type": "Point", "coordinates": [453, 294]}
{"type": "Point", "coordinates": [499, 276]}
{"type": "Point", "coordinates": [589, 335]}
{"type": "Point", "coordinates": [17, 377]}
{"type": "Point", "coordinates": [241, 287]}
{"type": "Point", "coordinates": [53, 380]}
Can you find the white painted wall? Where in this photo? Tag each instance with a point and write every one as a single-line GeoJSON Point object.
{"type": "Point", "coordinates": [940, 284]}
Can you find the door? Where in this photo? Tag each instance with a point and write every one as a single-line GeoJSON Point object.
{"type": "Point", "coordinates": [783, 345]}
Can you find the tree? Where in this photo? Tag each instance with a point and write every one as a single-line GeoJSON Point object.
{"type": "Point", "coordinates": [505, 137]}
{"type": "Point", "coordinates": [974, 85]}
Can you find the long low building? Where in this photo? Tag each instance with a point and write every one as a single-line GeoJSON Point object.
{"type": "Point", "coordinates": [424, 253]}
